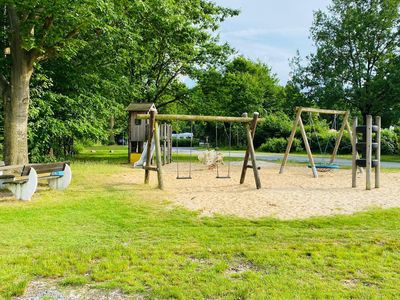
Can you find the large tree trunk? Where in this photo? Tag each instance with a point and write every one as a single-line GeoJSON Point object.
{"type": "Point", "coordinates": [17, 105]}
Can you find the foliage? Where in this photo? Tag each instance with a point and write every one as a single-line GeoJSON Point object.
{"type": "Point", "coordinates": [185, 142]}
{"type": "Point", "coordinates": [240, 86]}
{"type": "Point", "coordinates": [278, 145]}
{"type": "Point", "coordinates": [96, 57]}
{"type": "Point", "coordinates": [175, 39]}
{"type": "Point", "coordinates": [356, 62]}
{"type": "Point", "coordinates": [138, 244]}
{"type": "Point", "coordinates": [276, 125]}
{"type": "Point", "coordinates": [390, 142]}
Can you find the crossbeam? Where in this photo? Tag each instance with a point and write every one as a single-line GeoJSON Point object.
{"type": "Point", "coordinates": [198, 118]}
{"type": "Point", "coordinates": [322, 111]}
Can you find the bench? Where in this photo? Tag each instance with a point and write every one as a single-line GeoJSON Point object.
{"type": "Point", "coordinates": [23, 180]}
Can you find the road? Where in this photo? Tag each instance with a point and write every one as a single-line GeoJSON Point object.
{"type": "Point", "coordinates": [293, 158]}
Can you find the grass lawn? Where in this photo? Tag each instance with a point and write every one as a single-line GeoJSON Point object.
{"type": "Point", "coordinates": [108, 233]}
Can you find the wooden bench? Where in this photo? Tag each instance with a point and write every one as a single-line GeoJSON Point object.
{"type": "Point", "coordinates": [23, 180]}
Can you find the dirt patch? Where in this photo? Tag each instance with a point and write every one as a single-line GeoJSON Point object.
{"type": "Point", "coordinates": [50, 290]}
{"type": "Point", "coordinates": [239, 268]}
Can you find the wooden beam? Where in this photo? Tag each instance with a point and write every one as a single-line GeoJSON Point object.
{"type": "Point", "coordinates": [152, 116]}
{"type": "Point", "coordinates": [158, 156]}
{"type": "Point", "coordinates": [309, 153]}
{"type": "Point", "coordinates": [339, 138]}
{"type": "Point", "coordinates": [250, 152]}
{"type": "Point", "coordinates": [351, 134]}
{"type": "Point", "coordinates": [354, 154]}
{"type": "Point", "coordinates": [199, 118]}
{"type": "Point", "coordinates": [378, 154]}
{"type": "Point", "coordinates": [368, 149]}
{"type": "Point", "coordinates": [322, 111]}
{"type": "Point", "coordinates": [290, 140]}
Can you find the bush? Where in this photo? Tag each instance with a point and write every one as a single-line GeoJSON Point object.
{"type": "Point", "coordinates": [390, 142]}
{"type": "Point", "coordinates": [278, 145]}
{"type": "Point", "coordinates": [185, 142]}
{"type": "Point", "coordinates": [277, 125]}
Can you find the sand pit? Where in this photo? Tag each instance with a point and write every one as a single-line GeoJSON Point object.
{"type": "Point", "coordinates": [293, 195]}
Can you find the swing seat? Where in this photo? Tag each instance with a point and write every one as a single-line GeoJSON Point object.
{"type": "Point", "coordinates": [321, 167]}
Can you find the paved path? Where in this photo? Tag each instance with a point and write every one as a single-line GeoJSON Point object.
{"type": "Point", "coordinates": [293, 158]}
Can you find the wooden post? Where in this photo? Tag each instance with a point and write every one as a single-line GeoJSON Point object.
{"type": "Point", "coordinates": [339, 138]}
{"type": "Point", "coordinates": [291, 138]}
{"type": "Point", "coordinates": [158, 156]}
{"type": "Point", "coordinates": [368, 149]}
{"type": "Point", "coordinates": [170, 143]}
{"type": "Point", "coordinates": [149, 141]}
{"type": "Point", "coordinates": [129, 137]}
{"type": "Point", "coordinates": [354, 154]}
{"type": "Point", "coordinates": [378, 154]}
{"type": "Point", "coordinates": [250, 132]}
{"type": "Point", "coordinates": [351, 135]}
{"type": "Point", "coordinates": [164, 139]}
{"type": "Point", "coordinates": [307, 145]}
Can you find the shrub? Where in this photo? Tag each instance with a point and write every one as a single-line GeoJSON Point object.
{"type": "Point", "coordinates": [185, 142]}
{"type": "Point", "coordinates": [278, 145]}
{"type": "Point", "coordinates": [277, 125]}
{"type": "Point", "coordinates": [390, 142]}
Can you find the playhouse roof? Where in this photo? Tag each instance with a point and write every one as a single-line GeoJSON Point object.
{"type": "Point", "coordinates": [141, 107]}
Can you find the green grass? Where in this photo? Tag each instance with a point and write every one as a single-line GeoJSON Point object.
{"type": "Point", "coordinates": [110, 233]}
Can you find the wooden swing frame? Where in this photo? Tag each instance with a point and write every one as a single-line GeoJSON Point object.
{"type": "Point", "coordinates": [250, 125]}
{"type": "Point", "coordinates": [298, 122]}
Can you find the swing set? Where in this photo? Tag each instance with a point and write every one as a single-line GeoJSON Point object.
{"type": "Point", "coordinates": [216, 160]}
{"type": "Point", "coordinates": [298, 122]}
{"type": "Point", "coordinates": [250, 125]}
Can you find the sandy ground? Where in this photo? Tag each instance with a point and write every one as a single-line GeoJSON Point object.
{"type": "Point", "coordinates": [292, 195]}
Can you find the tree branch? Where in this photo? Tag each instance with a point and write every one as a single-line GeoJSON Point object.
{"type": "Point", "coordinates": [169, 81]}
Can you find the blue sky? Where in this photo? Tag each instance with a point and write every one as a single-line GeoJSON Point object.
{"type": "Point", "coordinates": [271, 30]}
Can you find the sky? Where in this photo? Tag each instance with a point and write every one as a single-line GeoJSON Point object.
{"type": "Point", "coordinates": [271, 30]}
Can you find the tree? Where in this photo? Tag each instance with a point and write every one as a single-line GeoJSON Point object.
{"type": "Point", "coordinates": [241, 86]}
{"type": "Point", "coordinates": [176, 39]}
{"type": "Point", "coordinates": [151, 43]}
{"type": "Point", "coordinates": [37, 31]}
{"type": "Point", "coordinates": [357, 42]}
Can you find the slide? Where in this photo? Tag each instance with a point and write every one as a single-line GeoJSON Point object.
{"type": "Point", "coordinates": [142, 159]}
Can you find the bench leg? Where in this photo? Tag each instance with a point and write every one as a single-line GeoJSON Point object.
{"type": "Point", "coordinates": [62, 182]}
{"type": "Point", "coordinates": [25, 191]}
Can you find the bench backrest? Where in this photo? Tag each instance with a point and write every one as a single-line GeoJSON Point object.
{"type": "Point", "coordinates": [43, 168]}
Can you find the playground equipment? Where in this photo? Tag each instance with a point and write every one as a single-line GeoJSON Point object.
{"type": "Point", "coordinates": [23, 180]}
{"type": "Point", "coordinates": [219, 156]}
{"type": "Point", "coordinates": [178, 171]}
{"type": "Point", "coordinates": [138, 131]}
{"type": "Point", "coordinates": [250, 125]}
{"type": "Point", "coordinates": [299, 122]}
{"type": "Point", "coordinates": [366, 145]}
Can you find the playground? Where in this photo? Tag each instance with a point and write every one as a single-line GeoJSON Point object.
{"type": "Point", "coordinates": [292, 195]}
{"type": "Point", "coordinates": [115, 238]}
{"type": "Point", "coordinates": [209, 149]}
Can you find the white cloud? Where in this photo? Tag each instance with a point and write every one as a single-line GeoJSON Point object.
{"type": "Point", "coordinates": [271, 30]}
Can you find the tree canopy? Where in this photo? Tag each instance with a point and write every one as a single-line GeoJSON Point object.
{"type": "Point", "coordinates": [357, 46]}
